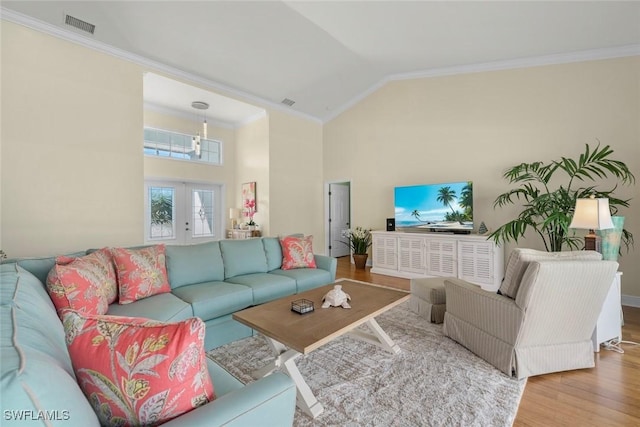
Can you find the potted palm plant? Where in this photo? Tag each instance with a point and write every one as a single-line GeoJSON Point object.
{"type": "Point", "coordinates": [359, 240]}
{"type": "Point", "coordinates": [547, 208]}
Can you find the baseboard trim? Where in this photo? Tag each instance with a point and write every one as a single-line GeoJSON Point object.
{"type": "Point", "coordinates": [631, 301]}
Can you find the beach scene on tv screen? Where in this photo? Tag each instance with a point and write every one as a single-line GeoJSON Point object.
{"type": "Point", "coordinates": [435, 206]}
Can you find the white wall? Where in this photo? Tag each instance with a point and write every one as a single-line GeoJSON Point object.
{"type": "Point", "coordinates": [474, 126]}
{"type": "Point", "coordinates": [72, 166]}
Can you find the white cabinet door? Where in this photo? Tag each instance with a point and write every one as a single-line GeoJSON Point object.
{"type": "Point", "coordinates": [441, 257]}
{"type": "Point", "coordinates": [385, 252]}
{"type": "Point", "coordinates": [475, 261]}
{"type": "Point", "coordinates": [411, 255]}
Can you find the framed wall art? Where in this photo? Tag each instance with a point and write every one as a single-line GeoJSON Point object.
{"type": "Point", "coordinates": [249, 202]}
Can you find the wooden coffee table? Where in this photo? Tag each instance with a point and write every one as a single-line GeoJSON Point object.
{"type": "Point", "coordinates": [290, 335]}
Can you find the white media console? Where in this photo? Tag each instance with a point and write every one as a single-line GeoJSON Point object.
{"type": "Point", "coordinates": [466, 256]}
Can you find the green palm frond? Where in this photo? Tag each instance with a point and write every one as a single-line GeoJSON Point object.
{"type": "Point", "coordinates": [548, 212]}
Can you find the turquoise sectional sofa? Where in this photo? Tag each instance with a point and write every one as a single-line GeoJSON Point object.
{"type": "Point", "coordinates": [210, 281]}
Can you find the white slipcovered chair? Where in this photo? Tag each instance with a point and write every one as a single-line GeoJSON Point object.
{"type": "Point", "coordinates": [542, 319]}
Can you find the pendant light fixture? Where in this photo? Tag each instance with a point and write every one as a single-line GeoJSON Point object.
{"type": "Point", "coordinates": [200, 105]}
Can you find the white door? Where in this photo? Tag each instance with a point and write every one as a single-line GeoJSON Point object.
{"type": "Point", "coordinates": [182, 213]}
{"type": "Point", "coordinates": [338, 219]}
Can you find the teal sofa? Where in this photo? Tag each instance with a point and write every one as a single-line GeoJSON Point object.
{"type": "Point", "coordinates": [210, 281]}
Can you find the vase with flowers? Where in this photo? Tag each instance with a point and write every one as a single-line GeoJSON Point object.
{"type": "Point", "coordinates": [249, 212]}
{"type": "Point", "coordinates": [359, 239]}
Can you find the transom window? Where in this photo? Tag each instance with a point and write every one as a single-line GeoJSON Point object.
{"type": "Point", "coordinates": [163, 143]}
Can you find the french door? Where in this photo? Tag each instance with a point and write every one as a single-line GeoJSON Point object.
{"type": "Point", "coordinates": [181, 213]}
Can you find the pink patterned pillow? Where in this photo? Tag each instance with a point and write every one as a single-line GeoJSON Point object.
{"type": "Point", "coordinates": [297, 252]}
{"type": "Point", "coordinates": [136, 371]}
{"type": "Point", "coordinates": [86, 284]}
{"type": "Point", "coordinates": [141, 272]}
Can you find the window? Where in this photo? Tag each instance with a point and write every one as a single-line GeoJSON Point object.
{"type": "Point", "coordinates": [183, 213]}
{"type": "Point", "coordinates": [174, 145]}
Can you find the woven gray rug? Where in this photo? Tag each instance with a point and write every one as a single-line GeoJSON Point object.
{"type": "Point", "coordinates": [432, 382]}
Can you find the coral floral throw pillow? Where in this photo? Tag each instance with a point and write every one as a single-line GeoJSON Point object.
{"type": "Point", "coordinates": [297, 252]}
{"type": "Point", "coordinates": [87, 284]}
{"type": "Point", "coordinates": [141, 272]}
{"type": "Point", "coordinates": [136, 371]}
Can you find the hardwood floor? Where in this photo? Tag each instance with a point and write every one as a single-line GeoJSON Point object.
{"type": "Point", "coordinates": [607, 395]}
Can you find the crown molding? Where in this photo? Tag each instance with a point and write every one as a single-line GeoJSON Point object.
{"type": "Point", "coordinates": [255, 117]}
{"type": "Point", "coordinates": [537, 61]}
{"type": "Point", "coordinates": [90, 43]}
{"type": "Point", "coordinates": [562, 58]}
{"type": "Point", "coordinates": [580, 56]}
{"type": "Point", "coordinates": [356, 99]}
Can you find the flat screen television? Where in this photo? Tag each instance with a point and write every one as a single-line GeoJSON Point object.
{"type": "Point", "coordinates": [444, 207]}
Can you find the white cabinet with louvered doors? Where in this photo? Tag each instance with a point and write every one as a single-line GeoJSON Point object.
{"type": "Point", "coordinates": [467, 256]}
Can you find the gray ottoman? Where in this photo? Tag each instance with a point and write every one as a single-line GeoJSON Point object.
{"type": "Point", "coordinates": [428, 298]}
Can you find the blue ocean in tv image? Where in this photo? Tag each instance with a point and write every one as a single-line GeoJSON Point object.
{"type": "Point", "coordinates": [435, 207]}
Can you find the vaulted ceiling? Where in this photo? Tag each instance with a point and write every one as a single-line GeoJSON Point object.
{"type": "Point", "coordinates": [324, 55]}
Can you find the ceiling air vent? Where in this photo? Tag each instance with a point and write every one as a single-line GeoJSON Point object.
{"type": "Point", "coordinates": [79, 24]}
{"type": "Point", "coordinates": [288, 102]}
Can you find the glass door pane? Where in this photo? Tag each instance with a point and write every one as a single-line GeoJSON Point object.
{"type": "Point", "coordinates": [179, 213]}
{"type": "Point", "coordinates": [162, 208]}
{"type": "Point", "coordinates": [202, 208]}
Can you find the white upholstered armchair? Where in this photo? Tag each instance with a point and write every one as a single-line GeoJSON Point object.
{"type": "Point", "coordinates": [545, 323]}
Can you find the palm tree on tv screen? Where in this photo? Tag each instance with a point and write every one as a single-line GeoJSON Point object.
{"type": "Point", "coordinates": [466, 201]}
{"type": "Point", "coordinates": [416, 214]}
{"type": "Point", "coordinates": [445, 196]}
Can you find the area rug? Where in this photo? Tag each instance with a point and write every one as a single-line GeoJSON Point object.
{"type": "Point", "coordinates": [433, 381]}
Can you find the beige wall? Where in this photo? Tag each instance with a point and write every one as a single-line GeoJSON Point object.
{"type": "Point", "coordinates": [71, 132]}
{"type": "Point", "coordinates": [252, 164]}
{"type": "Point", "coordinates": [81, 182]}
{"type": "Point", "coordinates": [295, 173]}
{"type": "Point", "coordinates": [474, 126]}
{"type": "Point", "coordinates": [72, 170]}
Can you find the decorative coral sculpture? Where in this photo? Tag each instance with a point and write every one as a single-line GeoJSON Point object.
{"type": "Point", "coordinates": [336, 298]}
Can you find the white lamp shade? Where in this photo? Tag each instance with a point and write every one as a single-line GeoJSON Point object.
{"type": "Point", "coordinates": [592, 214]}
{"type": "Point", "coordinates": [234, 213]}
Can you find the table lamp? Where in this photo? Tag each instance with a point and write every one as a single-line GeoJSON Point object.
{"type": "Point", "coordinates": [591, 214]}
{"type": "Point", "coordinates": [234, 213]}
